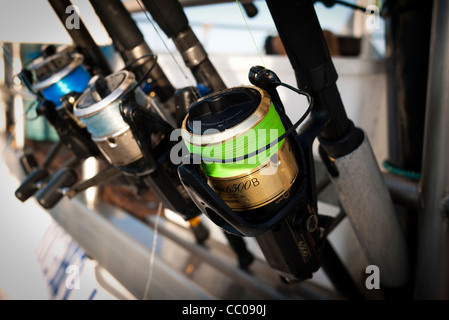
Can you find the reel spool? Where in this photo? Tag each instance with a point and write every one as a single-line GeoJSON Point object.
{"type": "Point", "coordinates": [234, 123]}
{"type": "Point", "coordinates": [57, 79]}
{"type": "Point", "coordinates": [98, 108]}
{"type": "Point", "coordinates": [58, 75]}
{"type": "Point", "coordinates": [251, 174]}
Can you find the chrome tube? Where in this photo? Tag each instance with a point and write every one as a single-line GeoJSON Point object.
{"type": "Point", "coordinates": [432, 269]}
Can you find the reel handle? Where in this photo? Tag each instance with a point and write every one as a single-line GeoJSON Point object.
{"type": "Point", "coordinates": [50, 195]}
{"type": "Point", "coordinates": [30, 185]}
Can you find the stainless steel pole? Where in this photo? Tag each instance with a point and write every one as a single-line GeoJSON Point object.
{"type": "Point", "coordinates": [432, 268]}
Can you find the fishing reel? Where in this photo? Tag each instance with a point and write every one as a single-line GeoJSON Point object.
{"type": "Point", "coordinates": [251, 173]}
{"type": "Point", "coordinates": [128, 129]}
{"type": "Point", "coordinates": [56, 78]}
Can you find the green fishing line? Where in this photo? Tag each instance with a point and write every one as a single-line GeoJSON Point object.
{"type": "Point", "coordinates": [266, 131]}
{"type": "Point", "coordinates": [252, 37]}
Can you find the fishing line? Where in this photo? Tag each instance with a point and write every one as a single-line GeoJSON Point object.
{"type": "Point", "coordinates": [252, 37]}
{"type": "Point", "coordinates": [247, 118]}
{"type": "Point", "coordinates": [189, 81]}
{"type": "Point", "coordinates": [133, 61]}
{"type": "Point", "coordinates": [147, 73]}
{"type": "Point", "coordinates": [153, 251]}
{"type": "Point", "coordinates": [272, 143]}
{"type": "Point", "coordinates": [108, 119]}
{"type": "Point", "coordinates": [34, 117]}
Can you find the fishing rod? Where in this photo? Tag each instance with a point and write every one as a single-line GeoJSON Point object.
{"type": "Point", "coordinates": [234, 195]}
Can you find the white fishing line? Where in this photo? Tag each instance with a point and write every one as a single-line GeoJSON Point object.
{"type": "Point", "coordinates": [251, 34]}
{"type": "Point", "coordinates": [189, 81]}
{"type": "Point", "coordinates": [153, 252]}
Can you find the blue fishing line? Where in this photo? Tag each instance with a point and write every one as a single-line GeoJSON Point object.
{"type": "Point", "coordinates": [75, 81]}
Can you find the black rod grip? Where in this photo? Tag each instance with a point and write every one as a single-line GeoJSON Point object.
{"type": "Point", "coordinates": [168, 14]}
{"type": "Point", "coordinates": [50, 195]}
{"type": "Point", "coordinates": [206, 74]}
{"type": "Point", "coordinates": [129, 41]}
{"type": "Point", "coordinates": [81, 37]}
{"type": "Point", "coordinates": [118, 23]}
{"type": "Point", "coordinates": [29, 185]}
{"type": "Point", "coordinates": [238, 245]}
{"type": "Point", "coordinates": [303, 39]}
{"type": "Point", "coordinates": [171, 18]}
{"type": "Point", "coordinates": [301, 33]}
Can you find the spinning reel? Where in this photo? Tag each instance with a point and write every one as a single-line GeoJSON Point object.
{"type": "Point", "coordinates": [252, 174]}
{"type": "Point", "coordinates": [55, 79]}
{"type": "Point", "coordinates": [127, 128]}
